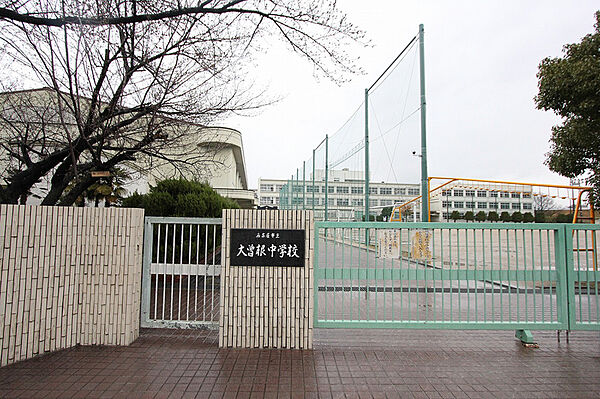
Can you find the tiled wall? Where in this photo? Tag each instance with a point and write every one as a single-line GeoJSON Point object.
{"type": "Point", "coordinates": [267, 307]}
{"type": "Point", "coordinates": [68, 276]}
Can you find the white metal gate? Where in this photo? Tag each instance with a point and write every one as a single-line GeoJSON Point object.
{"type": "Point", "coordinates": [181, 272]}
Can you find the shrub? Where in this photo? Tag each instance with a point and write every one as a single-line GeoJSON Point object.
{"type": "Point", "coordinates": [455, 215]}
{"type": "Point", "coordinates": [517, 217]}
{"type": "Point", "coordinates": [493, 216]}
{"type": "Point", "coordinates": [469, 215]}
{"type": "Point", "coordinates": [505, 216]}
{"type": "Point", "coordinates": [562, 218]}
{"type": "Point", "coordinates": [481, 216]}
{"type": "Point", "coordinates": [179, 197]}
{"type": "Point", "coordinates": [528, 217]}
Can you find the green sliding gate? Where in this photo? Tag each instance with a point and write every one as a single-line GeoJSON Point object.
{"type": "Point", "coordinates": [456, 276]}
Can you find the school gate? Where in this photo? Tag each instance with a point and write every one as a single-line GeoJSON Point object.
{"type": "Point", "coordinates": [496, 276]}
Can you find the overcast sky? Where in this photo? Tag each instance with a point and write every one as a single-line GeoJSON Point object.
{"type": "Point", "coordinates": [481, 61]}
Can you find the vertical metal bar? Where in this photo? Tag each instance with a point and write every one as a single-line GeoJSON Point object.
{"type": "Point", "coordinates": [577, 280]}
{"type": "Point", "coordinates": [197, 271]}
{"type": "Point", "coordinates": [451, 284]}
{"type": "Point", "coordinates": [180, 270]}
{"type": "Point", "coordinates": [563, 253]}
{"type": "Point", "coordinates": [475, 269]}
{"type": "Point", "coordinates": [433, 269]}
{"type": "Point", "coordinates": [326, 218]}
{"type": "Point", "coordinates": [517, 282]}
{"type": "Point", "coordinates": [491, 274]}
{"type": "Point", "coordinates": [392, 280]}
{"type": "Point", "coordinates": [595, 259]}
{"type": "Point", "coordinates": [442, 267]}
{"type": "Point", "coordinates": [316, 274]}
{"type": "Point", "coordinates": [334, 281]}
{"type": "Point", "coordinates": [352, 285]}
{"type": "Point", "coordinates": [165, 271]}
{"type": "Point", "coordinates": [377, 295]}
{"type": "Point", "coordinates": [533, 266]}
{"type": "Point", "coordinates": [180, 265]}
{"type": "Point", "coordinates": [508, 264]}
{"type": "Point", "coordinates": [343, 246]}
{"type": "Point", "coordinates": [147, 270]}
{"type": "Point", "coordinates": [402, 263]}
{"type": "Point", "coordinates": [173, 270]}
{"type": "Point", "coordinates": [157, 274]}
{"type": "Point", "coordinates": [483, 263]}
{"type": "Point", "coordinates": [467, 269]}
{"type": "Point", "coordinates": [525, 264]}
{"type": "Point", "coordinates": [587, 275]}
{"type": "Point", "coordinates": [501, 268]}
{"type": "Point", "coordinates": [424, 179]}
{"type": "Point", "coordinates": [188, 274]}
{"type": "Point", "coordinates": [556, 269]}
{"type": "Point", "coordinates": [212, 280]}
{"type": "Point", "coordinates": [458, 282]}
{"type": "Point", "coordinates": [543, 297]}
{"type": "Point", "coordinates": [205, 273]}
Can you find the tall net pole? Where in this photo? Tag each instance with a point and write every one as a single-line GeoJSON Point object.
{"type": "Point", "coordinates": [326, 177]}
{"type": "Point", "coordinates": [313, 183]}
{"type": "Point", "coordinates": [424, 179]}
{"type": "Point", "coordinates": [367, 156]}
{"type": "Point", "coordinates": [303, 185]}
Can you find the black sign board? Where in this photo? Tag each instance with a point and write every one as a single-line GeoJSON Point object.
{"type": "Point", "coordinates": [266, 247]}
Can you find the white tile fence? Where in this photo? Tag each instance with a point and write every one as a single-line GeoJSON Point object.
{"type": "Point", "coordinates": [68, 276]}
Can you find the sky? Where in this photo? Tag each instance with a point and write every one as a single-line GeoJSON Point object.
{"type": "Point", "coordinates": [481, 60]}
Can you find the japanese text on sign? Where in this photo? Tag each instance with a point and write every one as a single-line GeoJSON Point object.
{"type": "Point", "coordinates": [253, 247]}
{"type": "Point", "coordinates": [420, 245]}
{"type": "Point", "coordinates": [388, 243]}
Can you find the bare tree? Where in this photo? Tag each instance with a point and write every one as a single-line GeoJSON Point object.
{"type": "Point", "coordinates": [543, 203]}
{"type": "Point", "coordinates": [135, 82]}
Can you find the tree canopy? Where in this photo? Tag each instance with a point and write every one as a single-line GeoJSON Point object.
{"type": "Point", "coordinates": [134, 83]}
{"type": "Point", "coordinates": [570, 86]}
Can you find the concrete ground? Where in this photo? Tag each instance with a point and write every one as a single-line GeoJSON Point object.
{"type": "Point", "coordinates": [344, 363]}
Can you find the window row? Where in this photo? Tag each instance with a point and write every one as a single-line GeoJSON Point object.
{"type": "Point", "coordinates": [485, 205]}
{"type": "Point", "coordinates": [350, 190]}
{"type": "Point", "coordinates": [483, 194]}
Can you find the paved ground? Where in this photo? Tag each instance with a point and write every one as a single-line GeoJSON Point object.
{"type": "Point", "coordinates": [351, 364]}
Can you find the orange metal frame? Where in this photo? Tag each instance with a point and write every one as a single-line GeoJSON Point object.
{"type": "Point", "coordinates": [453, 179]}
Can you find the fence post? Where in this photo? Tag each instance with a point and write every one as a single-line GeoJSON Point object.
{"type": "Point", "coordinates": [561, 256]}
{"type": "Point", "coordinates": [146, 272]}
{"type": "Point", "coordinates": [326, 177]}
{"type": "Point", "coordinates": [569, 281]}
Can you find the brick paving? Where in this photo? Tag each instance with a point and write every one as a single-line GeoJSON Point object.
{"type": "Point", "coordinates": [344, 364]}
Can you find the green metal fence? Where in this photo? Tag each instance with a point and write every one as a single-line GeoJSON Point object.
{"type": "Point", "coordinates": [583, 276]}
{"type": "Point", "coordinates": [456, 276]}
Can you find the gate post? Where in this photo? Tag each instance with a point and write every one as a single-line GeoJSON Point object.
{"type": "Point", "coordinates": [146, 277]}
{"type": "Point", "coordinates": [267, 279]}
